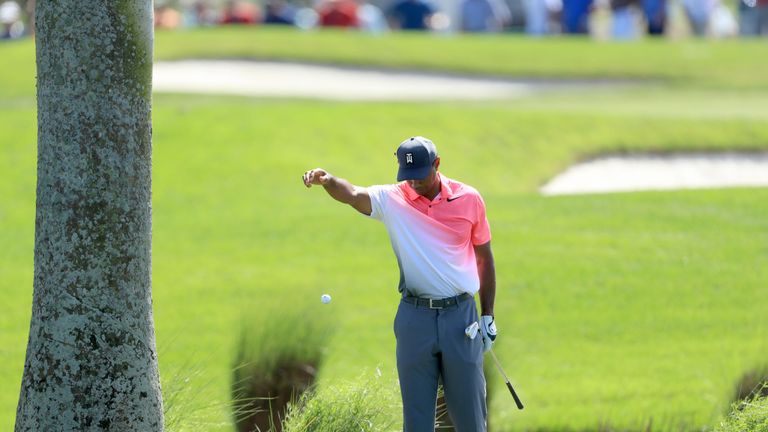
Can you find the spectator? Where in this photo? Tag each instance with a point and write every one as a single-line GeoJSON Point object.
{"type": "Point", "coordinates": [722, 22]}
{"type": "Point", "coordinates": [753, 17]}
{"type": "Point", "coordinates": [306, 18]}
{"type": "Point", "coordinates": [623, 19]}
{"type": "Point", "coordinates": [538, 15]}
{"type": "Point", "coordinates": [411, 15]}
{"type": "Point", "coordinates": [11, 26]}
{"type": "Point", "coordinates": [278, 12]}
{"type": "Point", "coordinates": [699, 12]}
{"type": "Point", "coordinates": [655, 12]}
{"type": "Point", "coordinates": [576, 16]}
{"type": "Point", "coordinates": [198, 14]}
{"type": "Point", "coordinates": [371, 18]}
{"type": "Point", "coordinates": [167, 17]}
{"type": "Point", "coordinates": [237, 12]}
{"type": "Point", "coordinates": [480, 16]}
{"type": "Point", "coordinates": [338, 13]}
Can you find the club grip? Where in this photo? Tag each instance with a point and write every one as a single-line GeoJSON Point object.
{"type": "Point", "coordinates": [514, 396]}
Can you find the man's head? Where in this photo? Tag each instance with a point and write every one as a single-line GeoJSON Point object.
{"type": "Point", "coordinates": [418, 161]}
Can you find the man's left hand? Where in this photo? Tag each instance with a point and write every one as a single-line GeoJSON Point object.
{"type": "Point", "coordinates": [488, 330]}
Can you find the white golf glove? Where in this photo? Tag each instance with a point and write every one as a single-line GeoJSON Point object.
{"type": "Point", "coordinates": [488, 331]}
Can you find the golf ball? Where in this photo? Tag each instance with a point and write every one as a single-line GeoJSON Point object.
{"type": "Point", "coordinates": [325, 298]}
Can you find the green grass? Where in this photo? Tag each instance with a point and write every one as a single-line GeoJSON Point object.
{"type": "Point", "coordinates": [747, 416]}
{"type": "Point", "coordinates": [367, 404]}
{"type": "Point", "coordinates": [613, 310]}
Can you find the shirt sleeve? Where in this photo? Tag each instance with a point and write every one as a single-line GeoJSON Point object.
{"type": "Point", "coordinates": [481, 230]}
{"type": "Point", "coordinates": [379, 197]}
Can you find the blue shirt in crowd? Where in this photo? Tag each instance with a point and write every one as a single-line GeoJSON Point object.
{"type": "Point", "coordinates": [576, 16]}
{"type": "Point", "coordinates": [412, 14]}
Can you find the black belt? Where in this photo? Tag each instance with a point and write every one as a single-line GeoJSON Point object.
{"type": "Point", "coordinates": [437, 303]}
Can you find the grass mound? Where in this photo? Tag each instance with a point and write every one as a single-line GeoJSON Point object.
{"type": "Point", "coordinates": [276, 362]}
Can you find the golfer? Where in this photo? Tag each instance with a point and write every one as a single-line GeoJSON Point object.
{"type": "Point", "coordinates": [442, 241]}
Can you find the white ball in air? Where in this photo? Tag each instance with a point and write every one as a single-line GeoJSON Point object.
{"type": "Point", "coordinates": [325, 298]}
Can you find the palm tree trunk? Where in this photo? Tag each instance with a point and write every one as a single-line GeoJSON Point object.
{"type": "Point", "coordinates": [91, 360]}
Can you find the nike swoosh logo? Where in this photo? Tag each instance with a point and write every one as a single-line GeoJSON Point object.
{"type": "Point", "coordinates": [454, 198]}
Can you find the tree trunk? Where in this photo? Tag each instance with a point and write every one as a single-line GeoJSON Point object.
{"type": "Point", "coordinates": [91, 361]}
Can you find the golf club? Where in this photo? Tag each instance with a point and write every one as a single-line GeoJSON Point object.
{"type": "Point", "coordinates": [509, 386]}
{"type": "Point", "coordinates": [471, 332]}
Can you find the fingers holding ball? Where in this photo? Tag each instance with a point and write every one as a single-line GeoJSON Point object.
{"type": "Point", "coordinates": [307, 178]}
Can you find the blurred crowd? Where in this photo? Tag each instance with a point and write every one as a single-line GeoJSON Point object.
{"type": "Point", "coordinates": [616, 19]}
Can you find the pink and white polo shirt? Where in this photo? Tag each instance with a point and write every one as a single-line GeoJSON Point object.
{"type": "Point", "coordinates": [433, 240]}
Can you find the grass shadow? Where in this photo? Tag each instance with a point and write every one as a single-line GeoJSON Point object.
{"type": "Point", "coordinates": [753, 384]}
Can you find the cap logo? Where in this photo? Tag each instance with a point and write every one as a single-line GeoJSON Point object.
{"type": "Point", "coordinates": [409, 158]}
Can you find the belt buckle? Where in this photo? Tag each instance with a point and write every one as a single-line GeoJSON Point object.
{"type": "Point", "coordinates": [433, 307]}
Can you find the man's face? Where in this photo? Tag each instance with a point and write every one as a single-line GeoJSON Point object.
{"type": "Point", "coordinates": [428, 185]}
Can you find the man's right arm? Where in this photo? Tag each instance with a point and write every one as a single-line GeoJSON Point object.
{"type": "Point", "coordinates": [339, 189]}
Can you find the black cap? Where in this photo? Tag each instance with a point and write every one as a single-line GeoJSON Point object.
{"type": "Point", "coordinates": [415, 157]}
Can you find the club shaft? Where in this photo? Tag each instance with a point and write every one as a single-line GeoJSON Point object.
{"type": "Point", "coordinates": [506, 380]}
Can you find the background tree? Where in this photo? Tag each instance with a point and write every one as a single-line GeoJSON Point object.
{"type": "Point", "coordinates": [91, 361]}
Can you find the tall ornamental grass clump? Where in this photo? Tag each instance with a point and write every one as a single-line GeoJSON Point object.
{"type": "Point", "coordinates": [189, 407]}
{"type": "Point", "coordinates": [747, 416]}
{"type": "Point", "coordinates": [368, 404]}
{"type": "Point", "coordinates": [277, 358]}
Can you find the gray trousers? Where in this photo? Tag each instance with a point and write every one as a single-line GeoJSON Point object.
{"type": "Point", "coordinates": [431, 345]}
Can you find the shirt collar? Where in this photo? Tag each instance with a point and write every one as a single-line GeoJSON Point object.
{"type": "Point", "coordinates": [445, 190]}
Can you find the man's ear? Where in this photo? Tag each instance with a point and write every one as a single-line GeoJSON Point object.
{"type": "Point", "coordinates": [436, 164]}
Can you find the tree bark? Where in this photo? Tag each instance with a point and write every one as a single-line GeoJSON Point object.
{"type": "Point", "coordinates": [91, 361]}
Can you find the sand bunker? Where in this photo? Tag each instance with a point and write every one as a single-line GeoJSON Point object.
{"type": "Point", "coordinates": [661, 172]}
{"type": "Point", "coordinates": [307, 81]}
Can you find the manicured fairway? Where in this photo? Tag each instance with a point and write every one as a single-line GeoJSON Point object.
{"type": "Point", "coordinates": [614, 310]}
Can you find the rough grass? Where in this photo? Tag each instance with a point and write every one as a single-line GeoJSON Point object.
{"type": "Point", "coordinates": [747, 416]}
{"type": "Point", "coordinates": [618, 310]}
{"type": "Point", "coordinates": [366, 404]}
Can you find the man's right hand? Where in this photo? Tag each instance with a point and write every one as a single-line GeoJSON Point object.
{"type": "Point", "coordinates": [317, 176]}
{"type": "Point", "coordinates": [341, 190]}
